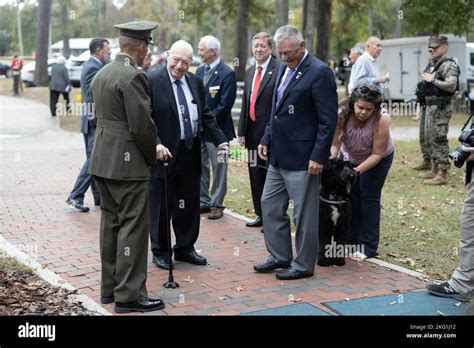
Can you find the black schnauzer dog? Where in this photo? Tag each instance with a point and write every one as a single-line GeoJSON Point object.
{"type": "Point", "coordinates": [337, 180]}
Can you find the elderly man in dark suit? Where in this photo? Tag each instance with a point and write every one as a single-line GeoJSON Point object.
{"type": "Point", "coordinates": [179, 110]}
{"type": "Point", "coordinates": [220, 82]}
{"type": "Point", "coordinates": [100, 55]}
{"type": "Point", "coordinates": [297, 142]}
{"type": "Point", "coordinates": [255, 114]}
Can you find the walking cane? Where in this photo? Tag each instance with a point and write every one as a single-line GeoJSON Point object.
{"type": "Point", "coordinates": [170, 284]}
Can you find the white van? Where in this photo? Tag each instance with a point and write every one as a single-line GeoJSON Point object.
{"type": "Point", "coordinates": [470, 62]}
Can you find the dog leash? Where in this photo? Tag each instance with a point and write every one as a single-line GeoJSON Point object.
{"type": "Point", "coordinates": [332, 202]}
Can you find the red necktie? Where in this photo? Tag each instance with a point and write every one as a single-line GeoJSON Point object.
{"type": "Point", "coordinates": [253, 99]}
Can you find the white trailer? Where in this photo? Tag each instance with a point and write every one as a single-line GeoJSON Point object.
{"type": "Point", "coordinates": [405, 58]}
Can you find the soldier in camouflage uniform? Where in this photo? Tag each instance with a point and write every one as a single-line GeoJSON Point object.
{"type": "Point", "coordinates": [421, 113]}
{"type": "Point", "coordinates": [441, 85]}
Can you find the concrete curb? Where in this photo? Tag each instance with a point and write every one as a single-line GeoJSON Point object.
{"type": "Point", "coordinates": [372, 260]}
{"type": "Point", "coordinates": [8, 249]}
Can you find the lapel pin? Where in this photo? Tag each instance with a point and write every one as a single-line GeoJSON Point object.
{"type": "Point", "coordinates": [270, 72]}
{"type": "Point", "coordinates": [298, 75]}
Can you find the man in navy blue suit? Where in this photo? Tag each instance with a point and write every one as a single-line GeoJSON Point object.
{"type": "Point", "coordinates": [221, 89]}
{"type": "Point", "coordinates": [297, 143]}
{"type": "Point", "coordinates": [100, 55]}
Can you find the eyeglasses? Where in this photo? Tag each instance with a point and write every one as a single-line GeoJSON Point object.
{"type": "Point", "coordinates": [369, 94]}
{"type": "Point", "coordinates": [183, 61]}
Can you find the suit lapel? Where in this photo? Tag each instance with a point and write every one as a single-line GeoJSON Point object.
{"type": "Point", "coordinates": [168, 88]}
{"type": "Point", "coordinates": [195, 94]}
{"type": "Point", "coordinates": [296, 77]}
{"type": "Point", "coordinates": [215, 75]}
{"type": "Point", "coordinates": [268, 74]}
{"type": "Point", "coordinates": [248, 84]}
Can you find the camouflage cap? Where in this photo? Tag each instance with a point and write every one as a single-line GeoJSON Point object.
{"type": "Point", "coordinates": [139, 30]}
{"type": "Point", "coordinates": [436, 41]}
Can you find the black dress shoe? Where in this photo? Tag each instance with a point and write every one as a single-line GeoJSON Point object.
{"type": "Point", "coordinates": [162, 262]}
{"type": "Point", "coordinates": [107, 299]}
{"type": "Point", "coordinates": [192, 257]}
{"type": "Point", "coordinates": [269, 266]}
{"type": "Point", "coordinates": [204, 209]}
{"type": "Point", "coordinates": [292, 273]}
{"type": "Point", "coordinates": [142, 305]}
{"type": "Point", "coordinates": [258, 222]}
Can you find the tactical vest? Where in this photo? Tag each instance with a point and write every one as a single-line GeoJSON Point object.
{"type": "Point", "coordinates": [425, 89]}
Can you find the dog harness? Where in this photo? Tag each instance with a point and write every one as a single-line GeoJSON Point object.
{"type": "Point", "coordinates": [332, 202]}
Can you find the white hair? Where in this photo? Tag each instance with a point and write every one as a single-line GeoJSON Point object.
{"type": "Point", "coordinates": [212, 43]}
{"type": "Point", "coordinates": [288, 32]}
{"type": "Point", "coordinates": [60, 60]}
{"type": "Point", "coordinates": [181, 44]}
{"type": "Point", "coordinates": [371, 40]}
{"type": "Point", "coordinates": [358, 50]}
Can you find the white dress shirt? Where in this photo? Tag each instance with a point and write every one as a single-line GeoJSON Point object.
{"type": "Point", "coordinates": [264, 69]}
{"type": "Point", "coordinates": [192, 107]}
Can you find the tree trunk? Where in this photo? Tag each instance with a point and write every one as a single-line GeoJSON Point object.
{"type": "Point", "coordinates": [42, 43]}
{"type": "Point", "coordinates": [64, 28]}
{"type": "Point", "coordinates": [323, 28]}
{"type": "Point", "coordinates": [281, 12]}
{"type": "Point", "coordinates": [242, 38]}
{"type": "Point", "coordinates": [309, 20]}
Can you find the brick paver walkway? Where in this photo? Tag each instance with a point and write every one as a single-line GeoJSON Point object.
{"type": "Point", "coordinates": [35, 183]}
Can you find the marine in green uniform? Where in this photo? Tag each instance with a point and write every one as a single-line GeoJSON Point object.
{"type": "Point", "coordinates": [125, 146]}
{"type": "Point", "coordinates": [441, 84]}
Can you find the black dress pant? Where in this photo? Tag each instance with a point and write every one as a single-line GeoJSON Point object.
{"type": "Point", "coordinates": [53, 100]}
{"type": "Point", "coordinates": [257, 166]}
{"type": "Point", "coordinates": [182, 189]}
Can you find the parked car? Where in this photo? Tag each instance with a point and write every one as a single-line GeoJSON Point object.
{"type": "Point", "coordinates": [5, 69]}
{"type": "Point", "coordinates": [74, 67]}
{"type": "Point", "coordinates": [28, 71]}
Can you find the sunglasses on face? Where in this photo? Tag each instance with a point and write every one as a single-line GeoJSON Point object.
{"type": "Point", "coordinates": [369, 94]}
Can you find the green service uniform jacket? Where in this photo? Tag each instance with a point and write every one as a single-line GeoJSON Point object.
{"type": "Point", "coordinates": [125, 142]}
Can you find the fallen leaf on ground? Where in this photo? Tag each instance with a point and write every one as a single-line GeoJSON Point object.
{"type": "Point", "coordinates": [293, 300]}
{"type": "Point", "coordinates": [189, 280]}
{"type": "Point", "coordinates": [239, 288]}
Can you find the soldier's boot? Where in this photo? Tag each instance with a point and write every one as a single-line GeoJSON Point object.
{"type": "Point", "coordinates": [440, 179]}
{"type": "Point", "coordinates": [431, 174]}
{"type": "Point", "coordinates": [425, 165]}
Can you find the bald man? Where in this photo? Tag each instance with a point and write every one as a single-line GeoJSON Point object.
{"type": "Point", "coordinates": [179, 110]}
{"type": "Point", "coordinates": [365, 71]}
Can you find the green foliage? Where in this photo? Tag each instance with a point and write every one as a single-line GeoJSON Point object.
{"type": "Point", "coordinates": [426, 17]}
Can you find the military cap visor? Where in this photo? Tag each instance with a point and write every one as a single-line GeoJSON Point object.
{"type": "Point", "coordinates": [139, 30]}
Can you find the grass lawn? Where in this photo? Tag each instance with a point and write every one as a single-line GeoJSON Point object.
{"type": "Point", "coordinates": [420, 224]}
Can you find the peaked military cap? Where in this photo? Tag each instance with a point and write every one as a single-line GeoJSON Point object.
{"type": "Point", "coordinates": [139, 30]}
{"type": "Point", "coordinates": [436, 41]}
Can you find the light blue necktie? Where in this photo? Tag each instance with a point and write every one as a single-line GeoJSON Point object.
{"type": "Point", "coordinates": [283, 86]}
{"type": "Point", "coordinates": [183, 106]}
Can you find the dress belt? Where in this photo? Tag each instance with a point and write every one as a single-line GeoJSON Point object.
{"type": "Point", "coordinates": [104, 123]}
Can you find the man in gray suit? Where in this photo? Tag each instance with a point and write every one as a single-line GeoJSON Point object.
{"type": "Point", "coordinates": [100, 55]}
{"type": "Point", "coordinates": [297, 142]}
